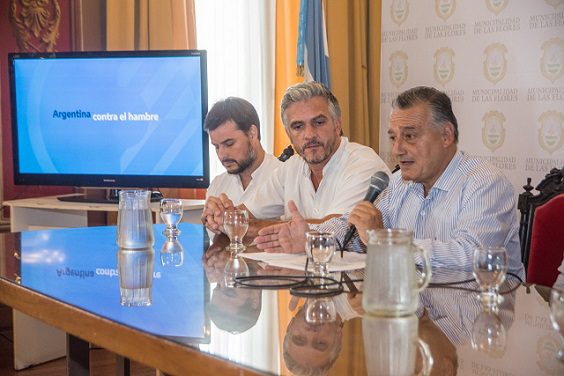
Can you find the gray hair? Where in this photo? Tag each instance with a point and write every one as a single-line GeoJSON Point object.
{"type": "Point", "coordinates": [307, 90]}
{"type": "Point", "coordinates": [439, 103]}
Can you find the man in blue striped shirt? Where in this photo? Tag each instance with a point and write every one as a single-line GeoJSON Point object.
{"type": "Point", "coordinates": [453, 202]}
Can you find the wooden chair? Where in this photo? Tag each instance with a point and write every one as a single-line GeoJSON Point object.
{"type": "Point", "coordinates": [542, 228]}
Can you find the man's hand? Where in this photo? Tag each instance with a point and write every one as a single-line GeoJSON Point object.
{"type": "Point", "coordinates": [365, 217]}
{"type": "Point", "coordinates": [288, 237]}
{"type": "Point", "coordinates": [212, 215]}
{"type": "Point", "coordinates": [215, 258]}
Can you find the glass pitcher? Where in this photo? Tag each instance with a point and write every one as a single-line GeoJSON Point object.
{"type": "Point", "coordinates": [391, 345]}
{"type": "Point", "coordinates": [135, 220]}
{"type": "Point", "coordinates": [391, 283]}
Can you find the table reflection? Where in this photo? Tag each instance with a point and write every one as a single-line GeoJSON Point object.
{"type": "Point", "coordinates": [172, 252]}
{"type": "Point", "coordinates": [135, 271]}
{"type": "Point", "coordinates": [84, 267]}
{"type": "Point", "coordinates": [231, 309]}
{"type": "Point", "coordinates": [311, 348]}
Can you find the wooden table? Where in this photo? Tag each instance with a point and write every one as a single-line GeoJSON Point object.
{"type": "Point", "coordinates": [64, 278]}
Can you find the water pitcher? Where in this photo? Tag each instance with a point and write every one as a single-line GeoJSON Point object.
{"type": "Point", "coordinates": [392, 283]}
{"type": "Point", "coordinates": [391, 345]}
{"type": "Point", "coordinates": [135, 221]}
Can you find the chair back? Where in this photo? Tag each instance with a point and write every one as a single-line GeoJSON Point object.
{"type": "Point", "coordinates": [541, 229]}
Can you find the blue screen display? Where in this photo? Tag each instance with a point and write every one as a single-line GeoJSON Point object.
{"type": "Point", "coordinates": [110, 115]}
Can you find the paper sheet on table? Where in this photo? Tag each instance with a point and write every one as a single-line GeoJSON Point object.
{"type": "Point", "coordinates": [350, 260]}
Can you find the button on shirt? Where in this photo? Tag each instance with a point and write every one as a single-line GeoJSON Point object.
{"type": "Point", "coordinates": [230, 184]}
{"type": "Point", "coordinates": [345, 180]}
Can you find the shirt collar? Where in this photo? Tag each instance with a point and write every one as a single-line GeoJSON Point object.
{"type": "Point", "coordinates": [445, 182]}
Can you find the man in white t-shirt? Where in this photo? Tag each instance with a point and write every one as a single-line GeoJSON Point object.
{"type": "Point", "coordinates": [234, 129]}
{"type": "Point", "coordinates": [330, 174]}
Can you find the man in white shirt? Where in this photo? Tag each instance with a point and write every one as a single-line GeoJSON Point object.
{"type": "Point", "coordinates": [329, 175]}
{"type": "Point", "coordinates": [234, 129]}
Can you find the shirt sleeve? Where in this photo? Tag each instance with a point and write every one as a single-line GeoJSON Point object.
{"type": "Point", "coordinates": [339, 226]}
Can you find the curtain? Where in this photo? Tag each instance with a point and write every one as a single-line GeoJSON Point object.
{"type": "Point", "coordinates": [239, 38]}
{"type": "Point", "coordinates": [287, 14]}
{"type": "Point", "coordinates": [150, 25]}
{"type": "Point", "coordinates": [353, 33]}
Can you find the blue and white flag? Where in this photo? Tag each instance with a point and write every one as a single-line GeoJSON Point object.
{"type": "Point", "coordinates": [313, 53]}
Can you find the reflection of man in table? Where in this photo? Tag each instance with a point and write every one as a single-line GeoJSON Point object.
{"type": "Point", "coordinates": [311, 349]}
{"type": "Point", "coordinates": [231, 309]}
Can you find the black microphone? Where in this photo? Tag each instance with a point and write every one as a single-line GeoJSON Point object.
{"type": "Point", "coordinates": [286, 154]}
{"type": "Point", "coordinates": [378, 182]}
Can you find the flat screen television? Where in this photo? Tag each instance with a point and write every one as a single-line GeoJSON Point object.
{"type": "Point", "coordinates": [120, 119]}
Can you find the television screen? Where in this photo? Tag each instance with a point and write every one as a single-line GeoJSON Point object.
{"type": "Point", "coordinates": [110, 119]}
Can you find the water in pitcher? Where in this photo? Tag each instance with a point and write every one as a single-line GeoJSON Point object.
{"type": "Point", "coordinates": [392, 283]}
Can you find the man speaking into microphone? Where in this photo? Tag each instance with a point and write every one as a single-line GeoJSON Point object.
{"type": "Point", "coordinates": [451, 201]}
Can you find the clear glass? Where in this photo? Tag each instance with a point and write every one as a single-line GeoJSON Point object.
{"type": "Point", "coordinates": [320, 247]}
{"type": "Point", "coordinates": [171, 214]}
{"type": "Point", "coordinates": [557, 316]}
{"type": "Point", "coordinates": [234, 267]}
{"type": "Point", "coordinates": [488, 334]}
{"type": "Point", "coordinates": [135, 270]}
{"type": "Point", "coordinates": [172, 253]}
{"type": "Point", "coordinates": [320, 311]}
{"type": "Point", "coordinates": [490, 267]}
{"type": "Point", "coordinates": [134, 220]}
{"type": "Point", "coordinates": [236, 224]}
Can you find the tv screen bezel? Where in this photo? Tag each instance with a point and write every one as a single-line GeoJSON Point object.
{"type": "Point", "coordinates": [110, 181]}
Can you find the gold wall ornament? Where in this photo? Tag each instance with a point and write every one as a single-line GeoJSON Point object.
{"type": "Point", "coordinates": [35, 24]}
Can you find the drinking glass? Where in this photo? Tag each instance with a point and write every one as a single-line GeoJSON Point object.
{"type": "Point", "coordinates": [490, 267]}
{"type": "Point", "coordinates": [557, 316]}
{"type": "Point", "coordinates": [488, 334]}
{"type": "Point", "coordinates": [320, 311]}
{"type": "Point", "coordinates": [171, 214]}
{"type": "Point", "coordinates": [172, 253]}
{"type": "Point", "coordinates": [236, 224]}
{"type": "Point", "coordinates": [320, 247]}
{"type": "Point", "coordinates": [234, 267]}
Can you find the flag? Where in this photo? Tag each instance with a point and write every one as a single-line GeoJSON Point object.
{"type": "Point", "coordinates": [313, 53]}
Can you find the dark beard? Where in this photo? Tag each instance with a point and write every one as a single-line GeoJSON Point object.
{"type": "Point", "coordinates": [245, 163]}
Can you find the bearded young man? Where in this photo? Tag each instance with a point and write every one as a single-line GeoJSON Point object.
{"type": "Point", "coordinates": [234, 129]}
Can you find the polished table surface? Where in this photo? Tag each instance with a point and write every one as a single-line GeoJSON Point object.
{"type": "Point", "coordinates": [198, 324]}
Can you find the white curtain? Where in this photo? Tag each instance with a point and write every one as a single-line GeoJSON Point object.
{"type": "Point", "coordinates": [239, 36]}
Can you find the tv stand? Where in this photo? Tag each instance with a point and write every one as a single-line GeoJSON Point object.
{"type": "Point", "coordinates": [51, 212]}
{"type": "Point", "coordinates": [92, 200]}
{"type": "Point", "coordinates": [111, 198]}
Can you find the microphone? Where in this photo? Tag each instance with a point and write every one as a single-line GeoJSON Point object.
{"type": "Point", "coordinates": [378, 182]}
{"type": "Point", "coordinates": [286, 154]}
